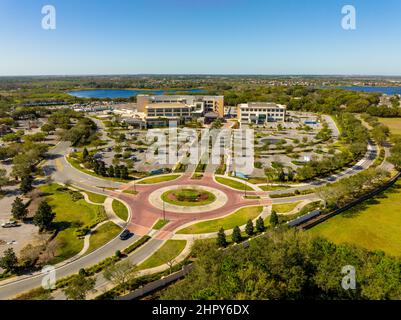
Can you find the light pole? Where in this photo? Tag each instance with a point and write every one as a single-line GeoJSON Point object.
{"type": "Point", "coordinates": [164, 211]}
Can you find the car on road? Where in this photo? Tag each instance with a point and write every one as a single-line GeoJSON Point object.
{"type": "Point", "coordinates": [125, 234]}
{"type": "Point", "coordinates": [10, 224]}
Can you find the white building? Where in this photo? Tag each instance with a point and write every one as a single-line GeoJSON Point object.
{"type": "Point", "coordinates": [261, 112]}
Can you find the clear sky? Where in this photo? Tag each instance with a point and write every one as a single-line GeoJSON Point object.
{"type": "Point", "coordinates": [200, 37]}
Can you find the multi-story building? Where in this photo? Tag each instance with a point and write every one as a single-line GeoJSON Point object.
{"type": "Point", "coordinates": [177, 106]}
{"type": "Point", "coordinates": [261, 112]}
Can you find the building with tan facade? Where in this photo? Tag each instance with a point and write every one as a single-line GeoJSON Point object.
{"type": "Point", "coordinates": [187, 106]}
{"type": "Point", "coordinates": [261, 112]}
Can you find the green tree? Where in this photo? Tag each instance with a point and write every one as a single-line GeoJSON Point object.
{"type": "Point", "coordinates": [236, 236]}
{"type": "Point", "coordinates": [26, 184]}
{"type": "Point", "coordinates": [3, 178]}
{"type": "Point", "coordinates": [110, 171]}
{"type": "Point", "coordinates": [120, 273]}
{"type": "Point", "coordinates": [274, 218]}
{"type": "Point", "coordinates": [249, 228]}
{"type": "Point", "coordinates": [48, 127]}
{"type": "Point", "coordinates": [117, 172]}
{"type": "Point", "coordinates": [9, 261]}
{"type": "Point", "coordinates": [124, 172]}
{"type": "Point", "coordinates": [85, 155]}
{"type": "Point", "coordinates": [18, 209]}
{"type": "Point", "coordinates": [221, 238]}
{"type": "Point", "coordinates": [260, 225]}
{"type": "Point", "coordinates": [44, 216]}
{"type": "Point", "coordinates": [79, 287]}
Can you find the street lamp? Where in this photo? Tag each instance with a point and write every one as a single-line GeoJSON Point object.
{"type": "Point", "coordinates": [164, 211]}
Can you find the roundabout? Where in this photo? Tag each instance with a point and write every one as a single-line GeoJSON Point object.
{"type": "Point", "coordinates": [188, 199]}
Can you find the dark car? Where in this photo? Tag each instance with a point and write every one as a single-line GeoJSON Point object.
{"type": "Point", "coordinates": [125, 234]}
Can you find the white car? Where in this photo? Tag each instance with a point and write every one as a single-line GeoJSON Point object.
{"type": "Point", "coordinates": [10, 224]}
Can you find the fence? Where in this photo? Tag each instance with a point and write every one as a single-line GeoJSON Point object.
{"type": "Point", "coordinates": [158, 284]}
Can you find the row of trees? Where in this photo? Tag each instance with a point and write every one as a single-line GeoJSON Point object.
{"type": "Point", "coordinates": [250, 230]}
{"type": "Point", "coordinates": [348, 189]}
{"type": "Point", "coordinates": [99, 167]}
{"type": "Point", "coordinates": [355, 137]}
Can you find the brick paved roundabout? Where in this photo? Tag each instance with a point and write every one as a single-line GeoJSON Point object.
{"type": "Point", "coordinates": [147, 206]}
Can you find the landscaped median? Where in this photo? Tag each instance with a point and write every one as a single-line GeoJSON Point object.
{"type": "Point", "coordinates": [238, 218]}
{"type": "Point", "coordinates": [188, 197]}
{"type": "Point", "coordinates": [285, 207]}
{"type": "Point", "coordinates": [120, 210]}
{"type": "Point", "coordinates": [234, 184]}
{"type": "Point", "coordinates": [102, 235]}
{"type": "Point", "coordinates": [159, 179]}
{"type": "Point", "coordinates": [165, 255]}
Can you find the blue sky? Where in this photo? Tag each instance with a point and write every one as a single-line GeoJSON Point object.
{"type": "Point", "coordinates": [200, 36]}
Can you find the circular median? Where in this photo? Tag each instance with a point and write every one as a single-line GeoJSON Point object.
{"type": "Point", "coordinates": [188, 199]}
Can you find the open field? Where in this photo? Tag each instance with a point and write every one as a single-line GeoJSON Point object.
{"type": "Point", "coordinates": [233, 184]}
{"type": "Point", "coordinates": [167, 252]}
{"type": "Point", "coordinates": [120, 209]}
{"type": "Point", "coordinates": [374, 224]}
{"type": "Point", "coordinates": [393, 123]}
{"type": "Point", "coordinates": [238, 218]}
{"type": "Point", "coordinates": [159, 179]}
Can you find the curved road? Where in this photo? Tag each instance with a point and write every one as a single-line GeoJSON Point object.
{"type": "Point", "coordinates": [144, 214]}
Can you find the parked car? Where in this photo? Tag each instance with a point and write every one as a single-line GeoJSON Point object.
{"type": "Point", "coordinates": [9, 224]}
{"type": "Point", "coordinates": [125, 234]}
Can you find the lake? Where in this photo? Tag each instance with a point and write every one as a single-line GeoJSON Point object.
{"type": "Point", "coordinates": [385, 90]}
{"type": "Point", "coordinates": [118, 93]}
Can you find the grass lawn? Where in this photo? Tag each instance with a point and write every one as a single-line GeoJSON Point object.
{"type": "Point", "coordinates": [285, 207]}
{"type": "Point", "coordinates": [102, 235]}
{"type": "Point", "coordinates": [120, 209]}
{"type": "Point", "coordinates": [188, 197]}
{"type": "Point", "coordinates": [159, 179]}
{"type": "Point", "coordinates": [130, 191]}
{"type": "Point", "coordinates": [233, 184]}
{"type": "Point", "coordinates": [70, 216]}
{"type": "Point", "coordinates": [170, 250]}
{"type": "Point", "coordinates": [160, 224]}
{"type": "Point", "coordinates": [273, 188]}
{"type": "Point", "coordinates": [238, 218]}
{"type": "Point", "coordinates": [393, 123]}
{"type": "Point", "coordinates": [375, 224]}
{"type": "Point", "coordinates": [96, 198]}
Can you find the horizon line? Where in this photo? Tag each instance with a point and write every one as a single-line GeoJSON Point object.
{"type": "Point", "coordinates": [202, 74]}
